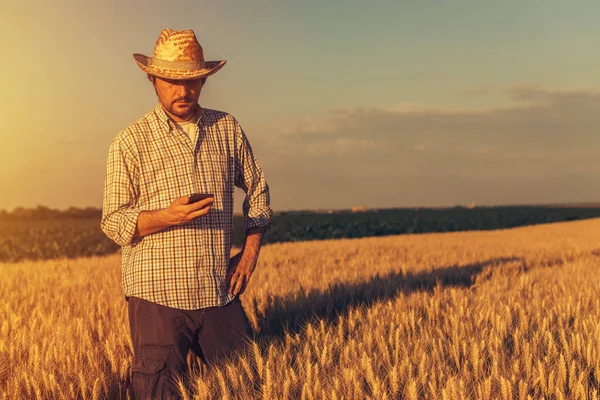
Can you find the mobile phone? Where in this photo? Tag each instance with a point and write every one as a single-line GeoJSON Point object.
{"type": "Point", "coordinates": [194, 197]}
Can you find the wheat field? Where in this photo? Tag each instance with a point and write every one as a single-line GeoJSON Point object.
{"type": "Point", "coordinates": [512, 314]}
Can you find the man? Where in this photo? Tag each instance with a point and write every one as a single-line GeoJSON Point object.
{"type": "Point", "coordinates": [181, 285]}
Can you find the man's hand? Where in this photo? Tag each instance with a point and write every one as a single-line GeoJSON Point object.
{"type": "Point", "coordinates": [179, 212]}
{"type": "Point", "coordinates": [241, 267]}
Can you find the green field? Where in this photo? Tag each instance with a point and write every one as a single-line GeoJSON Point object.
{"type": "Point", "coordinates": [45, 234]}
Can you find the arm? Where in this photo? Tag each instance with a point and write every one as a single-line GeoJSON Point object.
{"type": "Point", "coordinates": [253, 243]}
{"type": "Point", "coordinates": [179, 212]}
{"type": "Point", "coordinates": [257, 213]}
{"type": "Point", "coordinates": [254, 238]}
{"type": "Point", "coordinates": [121, 191]}
{"type": "Point", "coordinates": [242, 265]}
{"type": "Point", "coordinates": [250, 178]}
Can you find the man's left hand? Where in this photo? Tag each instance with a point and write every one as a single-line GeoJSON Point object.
{"type": "Point", "coordinates": [241, 267]}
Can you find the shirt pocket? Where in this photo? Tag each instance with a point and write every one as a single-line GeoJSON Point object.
{"type": "Point", "coordinates": [165, 180]}
{"type": "Point", "coordinates": [217, 173]}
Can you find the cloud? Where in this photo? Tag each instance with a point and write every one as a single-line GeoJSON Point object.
{"type": "Point", "coordinates": [545, 142]}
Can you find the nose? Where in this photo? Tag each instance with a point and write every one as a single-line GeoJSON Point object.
{"type": "Point", "coordinates": [183, 89]}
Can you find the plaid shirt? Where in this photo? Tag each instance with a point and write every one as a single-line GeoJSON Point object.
{"type": "Point", "coordinates": [150, 163]}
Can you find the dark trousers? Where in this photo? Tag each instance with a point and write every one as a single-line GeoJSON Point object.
{"type": "Point", "coordinates": [163, 336]}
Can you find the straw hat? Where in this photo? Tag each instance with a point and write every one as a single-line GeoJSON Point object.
{"type": "Point", "coordinates": [178, 55]}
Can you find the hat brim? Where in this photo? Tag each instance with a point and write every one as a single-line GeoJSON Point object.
{"type": "Point", "coordinates": [210, 67]}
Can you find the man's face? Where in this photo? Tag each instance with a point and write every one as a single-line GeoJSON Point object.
{"type": "Point", "coordinates": [178, 97]}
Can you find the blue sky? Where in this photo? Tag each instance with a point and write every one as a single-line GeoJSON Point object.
{"type": "Point", "coordinates": [416, 102]}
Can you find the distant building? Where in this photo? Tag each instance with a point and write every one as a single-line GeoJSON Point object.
{"type": "Point", "coordinates": [359, 209]}
{"type": "Point", "coordinates": [472, 205]}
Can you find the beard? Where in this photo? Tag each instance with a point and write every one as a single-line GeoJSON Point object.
{"type": "Point", "coordinates": [183, 108]}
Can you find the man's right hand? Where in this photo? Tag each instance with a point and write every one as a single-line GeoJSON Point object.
{"type": "Point", "coordinates": [181, 210]}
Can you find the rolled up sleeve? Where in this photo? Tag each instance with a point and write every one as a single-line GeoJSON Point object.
{"type": "Point", "coordinates": [121, 191]}
{"type": "Point", "coordinates": [250, 178]}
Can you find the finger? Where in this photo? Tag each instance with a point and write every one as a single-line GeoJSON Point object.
{"type": "Point", "coordinates": [199, 205]}
{"type": "Point", "coordinates": [246, 281]}
{"type": "Point", "coordinates": [239, 284]}
{"type": "Point", "coordinates": [181, 200]}
{"type": "Point", "coordinates": [199, 213]}
{"type": "Point", "coordinates": [232, 282]}
{"type": "Point", "coordinates": [244, 287]}
{"type": "Point", "coordinates": [230, 270]}
{"type": "Point", "coordinates": [202, 203]}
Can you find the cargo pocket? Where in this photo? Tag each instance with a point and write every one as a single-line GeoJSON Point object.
{"type": "Point", "coordinates": [145, 366]}
{"type": "Point", "coordinates": [149, 377]}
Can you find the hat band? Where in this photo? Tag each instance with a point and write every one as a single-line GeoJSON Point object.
{"type": "Point", "coordinates": [182, 66]}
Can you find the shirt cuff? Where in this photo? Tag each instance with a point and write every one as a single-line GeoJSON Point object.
{"type": "Point", "coordinates": [127, 225]}
{"type": "Point", "coordinates": [260, 221]}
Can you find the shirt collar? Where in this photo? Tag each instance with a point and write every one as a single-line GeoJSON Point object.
{"type": "Point", "coordinates": [168, 122]}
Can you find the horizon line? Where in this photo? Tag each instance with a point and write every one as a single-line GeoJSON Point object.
{"type": "Point", "coordinates": [358, 207]}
